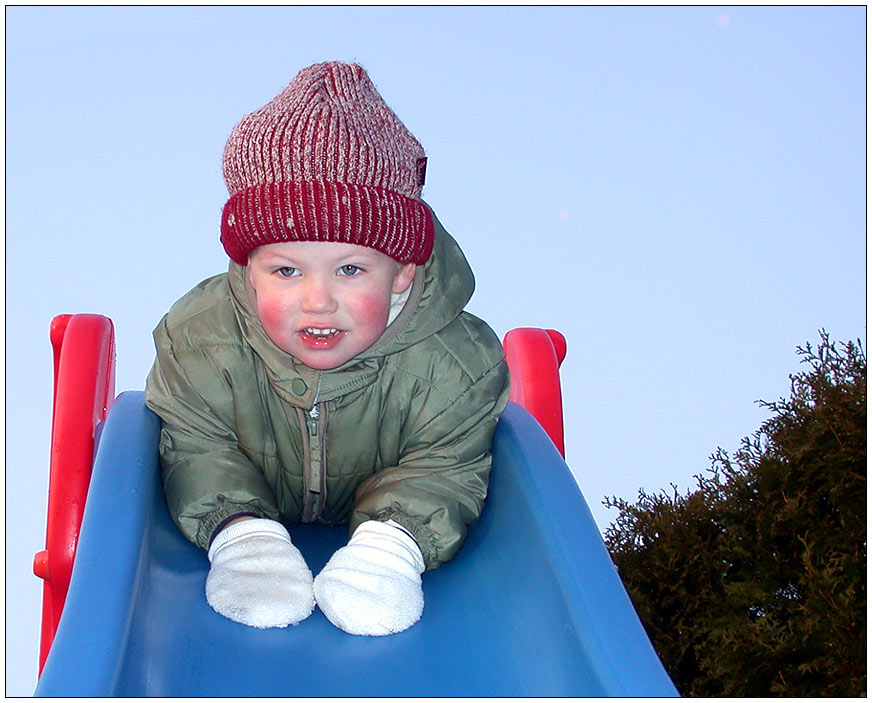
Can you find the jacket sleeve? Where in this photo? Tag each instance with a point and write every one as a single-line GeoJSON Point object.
{"type": "Point", "coordinates": [440, 483]}
{"type": "Point", "coordinates": [206, 477]}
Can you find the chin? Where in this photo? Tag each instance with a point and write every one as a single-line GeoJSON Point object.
{"type": "Point", "coordinates": [321, 362]}
{"type": "Point", "coordinates": [322, 365]}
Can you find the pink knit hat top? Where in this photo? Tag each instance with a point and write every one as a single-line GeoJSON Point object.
{"type": "Point", "coordinates": [326, 160]}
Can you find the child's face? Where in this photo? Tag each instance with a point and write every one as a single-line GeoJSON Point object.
{"type": "Point", "coordinates": [324, 302]}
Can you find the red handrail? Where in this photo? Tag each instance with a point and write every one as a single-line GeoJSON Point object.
{"type": "Point", "coordinates": [534, 357]}
{"type": "Point", "coordinates": [84, 387]}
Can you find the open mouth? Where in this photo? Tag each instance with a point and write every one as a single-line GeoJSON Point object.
{"type": "Point", "coordinates": [318, 332]}
{"type": "Point", "coordinates": [321, 337]}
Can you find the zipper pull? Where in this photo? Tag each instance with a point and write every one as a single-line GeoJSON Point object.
{"type": "Point", "coordinates": [316, 411]}
{"type": "Point", "coordinates": [314, 452]}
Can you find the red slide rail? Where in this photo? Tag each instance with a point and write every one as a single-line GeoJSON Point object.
{"type": "Point", "coordinates": [84, 388]}
{"type": "Point", "coordinates": [534, 356]}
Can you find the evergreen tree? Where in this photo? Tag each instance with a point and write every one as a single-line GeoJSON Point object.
{"type": "Point", "coordinates": [754, 584]}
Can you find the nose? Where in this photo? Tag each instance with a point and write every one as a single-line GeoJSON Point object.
{"type": "Point", "coordinates": [318, 297]}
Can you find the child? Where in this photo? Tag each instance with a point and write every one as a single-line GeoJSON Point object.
{"type": "Point", "coordinates": [331, 376]}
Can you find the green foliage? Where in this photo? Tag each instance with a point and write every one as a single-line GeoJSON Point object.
{"type": "Point", "coordinates": [754, 584]}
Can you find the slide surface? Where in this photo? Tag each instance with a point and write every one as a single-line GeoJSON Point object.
{"type": "Point", "coordinates": [532, 606]}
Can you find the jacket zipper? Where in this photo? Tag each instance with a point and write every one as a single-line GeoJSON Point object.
{"type": "Point", "coordinates": [314, 472]}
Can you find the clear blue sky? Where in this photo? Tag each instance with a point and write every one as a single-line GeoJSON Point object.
{"type": "Point", "coordinates": [680, 191]}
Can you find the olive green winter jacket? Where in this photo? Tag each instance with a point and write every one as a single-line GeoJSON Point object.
{"type": "Point", "coordinates": [403, 431]}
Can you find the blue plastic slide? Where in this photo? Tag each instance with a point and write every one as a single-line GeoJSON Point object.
{"type": "Point", "coordinates": [532, 606]}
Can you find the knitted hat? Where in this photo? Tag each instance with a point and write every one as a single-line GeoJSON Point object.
{"type": "Point", "coordinates": [326, 160]}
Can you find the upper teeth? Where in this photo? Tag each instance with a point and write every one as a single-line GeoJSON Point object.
{"type": "Point", "coordinates": [320, 332]}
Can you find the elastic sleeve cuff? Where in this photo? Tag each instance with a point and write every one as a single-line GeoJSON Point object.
{"type": "Point", "coordinates": [420, 533]}
{"type": "Point", "coordinates": [211, 522]}
{"type": "Point", "coordinates": [231, 519]}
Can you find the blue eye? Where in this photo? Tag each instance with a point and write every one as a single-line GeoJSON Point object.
{"type": "Point", "coordinates": [349, 270]}
{"type": "Point", "coordinates": [287, 271]}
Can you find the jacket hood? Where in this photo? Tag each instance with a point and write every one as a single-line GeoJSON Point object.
{"type": "Point", "coordinates": [440, 291]}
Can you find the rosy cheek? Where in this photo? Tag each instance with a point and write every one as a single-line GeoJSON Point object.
{"type": "Point", "coordinates": [371, 311]}
{"type": "Point", "coordinates": [272, 315]}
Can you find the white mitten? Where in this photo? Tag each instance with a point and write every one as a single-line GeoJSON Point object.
{"type": "Point", "coordinates": [258, 577]}
{"type": "Point", "coordinates": [372, 586]}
